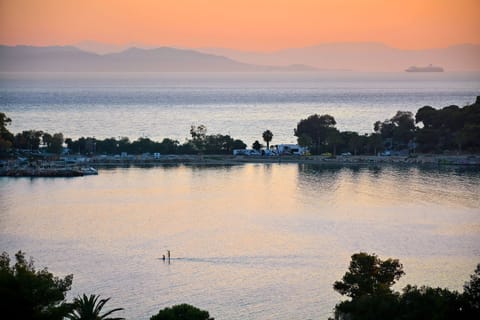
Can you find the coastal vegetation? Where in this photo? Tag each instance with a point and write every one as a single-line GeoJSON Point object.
{"type": "Point", "coordinates": [368, 283]}
{"type": "Point", "coordinates": [89, 307]}
{"type": "Point", "coordinates": [267, 136]}
{"type": "Point", "coordinates": [430, 130]}
{"type": "Point", "coordinates": [182, 311]}
{"type": "Point", "coordinates": [26, 293]}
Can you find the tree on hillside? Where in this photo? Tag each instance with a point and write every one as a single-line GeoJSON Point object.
{"type": "Point", "coordinates": [182, 312]}
{"type": "Point", "coordinates": [26, 293]}
{"type": "Point", "coordinates": [90, 308]}
{"type": "Point", "coordinates": [471, 295]}
{"type": "Point", "coordinates": [317, 128]}
{"type": "Point", "coordinates": [369, 275]}
{"type": "Point", "coordinates": [428, 303]}
{"type": "Point", "coordinates": [267, 137]}
{"type": "Point", "coordinates": [368, 283]}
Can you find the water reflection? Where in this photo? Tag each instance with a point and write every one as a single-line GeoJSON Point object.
{"type": "Point", "coordinates": [247, 241]}
{"type": "Point", "coordinates": [395, 184]}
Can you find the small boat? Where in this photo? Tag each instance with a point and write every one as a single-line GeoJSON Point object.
{"type": "Point", "coordinates": [429, 68]}
{"type": "Point", "coordinates": [88, 171]}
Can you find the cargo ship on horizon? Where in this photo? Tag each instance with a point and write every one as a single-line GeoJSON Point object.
{"type": "Point", "coordinates": [429, 68]}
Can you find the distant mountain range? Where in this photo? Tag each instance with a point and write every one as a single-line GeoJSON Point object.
{"type": "Point", "coordinates": [164, 59]}
{"type": "Point", "coordinates": [93, 56]}
{"type": "Point", "coordinates": [363, 57]}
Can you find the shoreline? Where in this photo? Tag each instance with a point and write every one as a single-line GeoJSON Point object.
{"type": "Point", "coordinates": [427, 159]}
{"type": "Point", "coordinates": [68, 169]}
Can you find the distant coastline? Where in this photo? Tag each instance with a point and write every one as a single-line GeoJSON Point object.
{"type": "Point", "coordinates": [396, 140]}
{"type": "Point", "coordinates": [331, 57]}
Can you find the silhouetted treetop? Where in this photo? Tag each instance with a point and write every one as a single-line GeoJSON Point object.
{"type": "Point", "coordinates": [369, 275]}
{"type": "Point", "coordinates": [26, 293]}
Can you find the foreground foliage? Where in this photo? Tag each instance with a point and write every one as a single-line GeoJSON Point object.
{"type": "Point", "coordinates": [26, 293]}
{"type": "Point", "coordinates": [368, 283]}
{"type": "Point", "coordinates": [369, 275]}
{"type": "Point", "coordinates": [90, 308]}
{"type": "Point", "coordinates": [182, 312]}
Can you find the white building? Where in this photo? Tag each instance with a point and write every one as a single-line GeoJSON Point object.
{"type": "Point", "coordinates": [291, 149]}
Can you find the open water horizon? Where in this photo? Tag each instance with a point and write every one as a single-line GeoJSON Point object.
{"type": "Point", "coordinates": [243, 105]}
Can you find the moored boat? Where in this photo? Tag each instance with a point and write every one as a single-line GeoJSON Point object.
{"type": "Point", "coordinates": [88, 171]}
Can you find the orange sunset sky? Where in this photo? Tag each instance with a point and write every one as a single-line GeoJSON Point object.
{"type": "Point", "coordinates": [255, 25]}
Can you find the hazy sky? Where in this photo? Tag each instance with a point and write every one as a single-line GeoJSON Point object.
{"type": "Point", "coordinates": [260, 25]}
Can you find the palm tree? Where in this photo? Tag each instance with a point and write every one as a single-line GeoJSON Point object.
{"type": "Point", "coordinates": [89, 308]}
{"type": "Point", "coordinates": [267, 137]}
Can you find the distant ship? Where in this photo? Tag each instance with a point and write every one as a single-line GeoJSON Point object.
{"type": "Point", "coordinates": [429, 68]}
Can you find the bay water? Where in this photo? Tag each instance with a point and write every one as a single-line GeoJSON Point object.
{"type": "Point", "coordinates": [253, 241]}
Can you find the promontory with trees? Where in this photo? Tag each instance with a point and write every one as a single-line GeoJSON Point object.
{"type": "Point", "coordinates": [449, 130]}
{"type": "Point", "coordinates": [27, 293]}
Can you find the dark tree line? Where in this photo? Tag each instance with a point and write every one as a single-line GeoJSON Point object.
{"type": "Point", "coordinates": [449, 128]}
{"type": "Point", "coordinates": [33, 140]}
{"type": "Point", "coordinates": [430, 130]}
{"type": "Point", "coordinates": [318, 132]}
{"type": "Point", "coordinates": [30, 294]}
{"type": "Point", "coordinates": [27, 293]}
{"type": "Point", "coordinates": [368, 283]}
{"type": "Point", "coordinates": [200, 143]}
{"type": "Point", "coordinates": [28, 139]}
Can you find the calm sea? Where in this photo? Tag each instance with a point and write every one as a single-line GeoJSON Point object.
{"type": "Point", "coordinates": [159, 105]}
{"type": "Point", "coordinates": [249, 241]}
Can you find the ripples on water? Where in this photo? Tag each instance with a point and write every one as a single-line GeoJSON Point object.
{"type": "Point", "coordinates": [160, 105]}
{"type": "Point", "coordinates": [248, 242]}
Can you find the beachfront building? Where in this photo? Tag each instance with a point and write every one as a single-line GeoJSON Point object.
{"type": "Point", "coordinates": [293, 149]}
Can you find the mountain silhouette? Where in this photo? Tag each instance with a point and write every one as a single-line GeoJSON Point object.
{"type": "Point", "coordinates": [362, 56]}
{"type": "Point", "coordinates": [164, 59]}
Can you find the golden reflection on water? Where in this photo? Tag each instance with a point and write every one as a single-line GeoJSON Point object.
{"type": "Point", "coordinates": [251, 241]}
